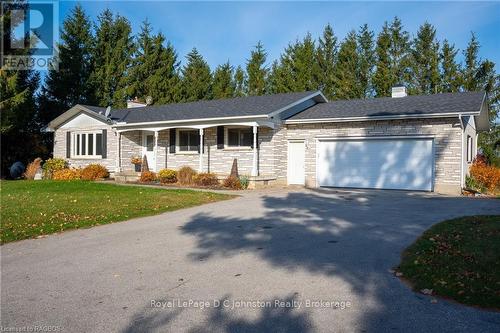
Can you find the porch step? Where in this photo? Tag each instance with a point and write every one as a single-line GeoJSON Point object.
{"type": "Point", "coordinates": [127, 176]}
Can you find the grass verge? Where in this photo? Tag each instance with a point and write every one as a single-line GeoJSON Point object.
{"type": "Point", "coordinates": [32, 208]}
{"type": "Point", "coordinates": [458, 259]}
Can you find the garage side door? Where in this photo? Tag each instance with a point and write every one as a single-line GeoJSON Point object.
{"type": "Point", "coordinates": [405, 164]}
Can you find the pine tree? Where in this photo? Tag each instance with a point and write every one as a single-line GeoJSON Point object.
{"type": "Point", "coordinates": [257, 71]}
{"type": "Point", "coordinates": [346, 69]}
{"type": "Point", "coordinates": [450, 70]}
{"type": "Point", "coordinates": [425, 61]}
{"type": "Point", "coordinates": [382, 80]}
{"type": "Point", "coordinates": [326, 58]}
{"type": "Point", "coordinates": [366, 55]}
{"type": "Point", "coordinates": [155, 69]}
{"type": "Point", "coordinates": [279, 78]}
{"type": "Point", "coordinates": [111, 59]}
{"type": "Point", "coordinates": [70, 84]}
{"type": "Point", "coordinates": [196, 78]}
{"type": "Point", "coordinates": [223, 85]}
{"type": "Point", "coordinates": [239, 82]}
{"type": "Point", "coordinates": [471, 68]}
{"type": "Point", "coordinates": [399, 52]}
{"type": "Point", "coordinates": [20, 135]}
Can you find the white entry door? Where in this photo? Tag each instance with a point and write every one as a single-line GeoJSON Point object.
{"type": "Point", "coordinates": [148, 147]}
{"type": "Point", "coordinates": [404, 164]}
{"type": "Point", "coordinates": [296, 161]}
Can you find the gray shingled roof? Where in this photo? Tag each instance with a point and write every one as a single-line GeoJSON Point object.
{"type": "Point", "coordinates": [388, 106]}
{"type": "Point", "coordinates": [233, 107]}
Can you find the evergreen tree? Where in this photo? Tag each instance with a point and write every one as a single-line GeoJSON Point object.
{"type": "Point", "coordinates": [326, 58]}
{"type": "Point", "coordinates": [155, 69]}
{"type": "Point", "coordinates": [223, 85]}
{"type": "Point", "coordinates": [279, 78]}
{"type": "Point", "coordinates": [346, 69]}
{"type": "Point", "coordinates": [366, 55]}
{"type": "Point", "coordinates": [239, 82]}
{"type": "Point", "coordinates": [111, 59]}
{"type": "Point", "coordinates": [382, 80]}
{"type": "Point", "coordinates": [425, 61]}
{"type": "Point", "coordinates": [20, 135]}
{"type": "Point", "coordinates": [450, 70]}
{"type": "Point", "coordinates": [298, 69]}
{"type": "Point", "coordinates": [196, 78]}
{"type": "Point", "coordinates": [70, 84]}
{"type": "Point", "coordinates": [471, 68]}
{"type": "Point", "coordinates": [399, 52]}
{"type": "Point", "coordinates": [257, 71]}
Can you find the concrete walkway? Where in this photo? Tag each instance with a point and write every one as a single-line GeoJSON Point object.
{"type": "Point", "coordinates": [326, 255]}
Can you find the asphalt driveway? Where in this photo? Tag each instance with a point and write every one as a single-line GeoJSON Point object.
{"type": "Point", "coordinates": [326, 255]}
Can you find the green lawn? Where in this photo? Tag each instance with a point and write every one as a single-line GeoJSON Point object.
{"type": "Point", "coordinates": [33, 208]}
{"type": "Point", "coordinates": [458, 259]}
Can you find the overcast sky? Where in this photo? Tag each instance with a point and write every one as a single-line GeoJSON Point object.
{"type": "Point", "coordinates": [228, 30]}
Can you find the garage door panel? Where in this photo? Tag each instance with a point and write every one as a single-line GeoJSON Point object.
{"type": "Point", "coordinates": [385, 164]}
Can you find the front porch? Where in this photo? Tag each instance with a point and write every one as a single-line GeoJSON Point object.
{"type": "Point", "coordinates": [205, 148]}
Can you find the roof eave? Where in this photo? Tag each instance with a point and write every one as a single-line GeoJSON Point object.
{"type": "Point", "coordinates": [67, 115]}
{"type": "Point", "coordinates": [374, 118]}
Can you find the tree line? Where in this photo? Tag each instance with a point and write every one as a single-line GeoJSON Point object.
{"type": "Point", "coordinates": [103, 63]}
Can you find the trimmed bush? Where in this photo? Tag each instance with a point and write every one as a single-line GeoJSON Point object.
{"type": "Point", "coordinates": [244, 181]}
{"type": "Point", "coordinates": [53, 164]}
{"type": "Point", "coordinates": [232, 183]}
{"type": "Point", "coordinates": [67, 174]}
{"type": "Point", "coordinates": [94, 171]}
{"type": "Point", "coordinates": [206, 179]}
{"type": "Point", "coordinates": [487, 177]}
{"type": "Point", "coordinates": [32, 169]}
{"type": "Point", "coordinates": [167, 176]}
{"type": "Point", "coordinates": [185, 175]}
{"type": "Point", "coordinates": [148, 176]}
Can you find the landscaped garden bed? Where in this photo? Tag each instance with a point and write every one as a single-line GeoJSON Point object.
{"type": "Point", "coordinates": [34, 208]}
{"type": "Point", "coordinates": [457, 259]}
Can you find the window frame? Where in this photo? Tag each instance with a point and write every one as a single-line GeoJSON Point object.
{"type": "Point", "coordinates": [239, 128]}
{"type": "Point", "coordinates": [178, 141]}
{"type": "Point", "coordinates": [76, 139]}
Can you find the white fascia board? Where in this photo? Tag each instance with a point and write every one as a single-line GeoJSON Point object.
{"type": "Point", "coordinates": [194, 122]}
{"type": "Point", "coordinates": [395, 117]}
{"type": "Point", "coordinates": [317, 93]}
{"type": "Point", "coordinates": [67, 115]}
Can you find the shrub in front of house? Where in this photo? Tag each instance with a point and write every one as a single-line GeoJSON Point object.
{"type": "Point", "coordinates": [185, 175]}
{"type": "Point", "coordinates": [484, 176]}
{"type": "Point", "coordinates": [167, 176]}
{"type": "Point", "coordinates": [206, 179]}
{"type": "Point", "coordinates": [148, 177]}
{"type": "Point", "coordinates": [53, 164]}
{"type": "Point", "coordinates": [233, 183]}
{"type": "Point", "coordinates": [32, 168]}
{"type": "Point", "coordinates": [244, 181]}
{"type": "Point", "coordinates": [94, 171]}
{"type": "Point", "coordinates": [67, 174]}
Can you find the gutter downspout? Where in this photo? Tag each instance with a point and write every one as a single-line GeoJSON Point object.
{"type": "Point", "coordinates": [461, 152]}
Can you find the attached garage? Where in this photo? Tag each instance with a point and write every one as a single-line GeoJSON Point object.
{"type": "Point", "coordinates": [379, 163]}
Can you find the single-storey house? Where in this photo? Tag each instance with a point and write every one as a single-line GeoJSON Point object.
{"type": "Point", "coordinates": [424, 142]}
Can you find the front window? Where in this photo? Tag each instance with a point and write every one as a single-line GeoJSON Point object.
{"type": "Point", "coordinates": [87, 145]}
{"type": "Point", "coordinates": [239, 137]}
{"type": "Point", "coordinates": [189, 140]}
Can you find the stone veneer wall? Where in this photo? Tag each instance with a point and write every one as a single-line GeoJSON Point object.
{"type": "Point", "coordinates": [60, 147]}
{"type": "Point", "coordinates": [215, 160]}
{"type": "Point", "coordinates": [446, 133]}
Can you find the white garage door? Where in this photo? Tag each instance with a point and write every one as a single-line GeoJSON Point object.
{"type": "Point", "coordinates": [405, 164]}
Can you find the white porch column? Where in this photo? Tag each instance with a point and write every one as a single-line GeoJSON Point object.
{"type": "Point", "coordinates": [200, 166]}
{"type": "Point", "coordinates": [118, 165]}
{"type": "Point", "coordinates": [156, 151]}
{"type": "Point", "coordinates": [255, 170]}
